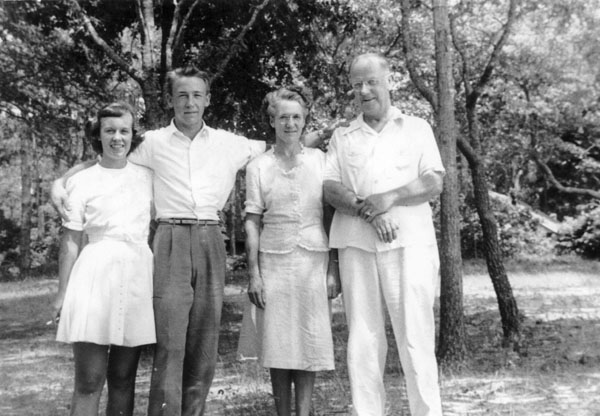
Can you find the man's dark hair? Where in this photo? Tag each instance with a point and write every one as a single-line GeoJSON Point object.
{"type": "Point", "coordinates": [186, 71]}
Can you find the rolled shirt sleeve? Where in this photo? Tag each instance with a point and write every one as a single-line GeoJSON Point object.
{"type": "Point", "coordinates": [255, 203]}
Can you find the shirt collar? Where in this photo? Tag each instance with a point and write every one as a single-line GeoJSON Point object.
{"type": "Point", "coordinates": [358, 123]}
{"type": "Point", "coordinates": [173, 130]}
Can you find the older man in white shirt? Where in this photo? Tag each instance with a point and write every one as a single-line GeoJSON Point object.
{"type": "Point", "coordinates": [381, 172]}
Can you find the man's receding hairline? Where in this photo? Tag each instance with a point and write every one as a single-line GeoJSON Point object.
{"type": "Point", "coordinates": [381, 61]}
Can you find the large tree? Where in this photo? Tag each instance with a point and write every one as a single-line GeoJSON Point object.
{"type": "Point", "coordinates": [474, 83]}
{"type": "Point", "coordinates": [452, 343]}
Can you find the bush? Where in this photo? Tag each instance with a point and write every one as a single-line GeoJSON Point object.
{"type": "Point", "coordinates": [9, 234]}
{"type": "Point", "coordinates": [582, 234]}
{"type": "Point", "coordinates": [519, 234]}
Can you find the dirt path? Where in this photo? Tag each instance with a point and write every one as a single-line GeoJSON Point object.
{"type": "Point", "coordinates": [557, 372]}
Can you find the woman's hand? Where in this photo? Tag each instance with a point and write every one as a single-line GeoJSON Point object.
{"type": "Point", "coordinates": [56, 308]}
{"type": "Point", "coordinates": [256, 292]}
{"type": "Point", "coordinates": [334, 284]}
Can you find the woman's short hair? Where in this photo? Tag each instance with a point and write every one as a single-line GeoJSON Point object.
{"type": "Point", "coordinates": [116, 109]}
{"type": "Point", "coordinates": [291, 93]}
{"type": "Point", "coordinates": [187, 71]}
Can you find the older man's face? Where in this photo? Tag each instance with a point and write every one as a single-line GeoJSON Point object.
{"type": "Point", "coordinates": [371, 88]}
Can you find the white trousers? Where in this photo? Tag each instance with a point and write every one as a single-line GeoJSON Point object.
{"type": "Point", "coordinates": [405, 280]}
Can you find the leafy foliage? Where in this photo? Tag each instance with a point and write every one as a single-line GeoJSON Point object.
{"type": "Point", "coordinates": [520, 235]}
{"type": "Point", "coordinates": [583, 234]}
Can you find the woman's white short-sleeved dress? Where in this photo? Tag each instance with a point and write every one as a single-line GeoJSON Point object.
{"type": "Point", "coordinates": [109, 295]}
{"type": "Point", "coordinates": [294, 329]}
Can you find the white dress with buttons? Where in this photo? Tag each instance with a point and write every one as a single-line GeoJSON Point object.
{"type": "Point", "coordinates": [294, 330]}
{"type": "Point", "coordinates": [109, 295]}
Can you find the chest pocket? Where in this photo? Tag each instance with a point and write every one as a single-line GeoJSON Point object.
{"type": "Point", "coordinates": [357, 157]}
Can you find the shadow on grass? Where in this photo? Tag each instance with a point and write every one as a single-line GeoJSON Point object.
{"type": "Point", "coordinates": [24, 317]}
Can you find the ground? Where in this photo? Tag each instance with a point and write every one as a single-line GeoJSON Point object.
{"type": "Point", "coordinates": [555, 372]}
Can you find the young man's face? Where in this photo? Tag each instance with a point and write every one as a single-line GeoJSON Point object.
{"type": "Point", "coordinates": [371, 88]}
{"type": "Point", "coordinates": [189, 99]}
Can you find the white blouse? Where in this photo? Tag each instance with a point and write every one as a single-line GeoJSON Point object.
{"type": "Point", "coordinates": [290, 202]}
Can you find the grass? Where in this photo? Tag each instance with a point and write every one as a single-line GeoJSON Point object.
{"type": "Point", "coordinates": [556, 372]}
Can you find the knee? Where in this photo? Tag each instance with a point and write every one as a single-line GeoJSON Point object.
{"type": "Point", "coordinates": [89, 383]}
{"type": "Point", "coordinates": [121, 380]}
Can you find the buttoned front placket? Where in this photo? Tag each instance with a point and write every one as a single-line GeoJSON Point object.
{"type": "Point", "coordinates": [198, 153]}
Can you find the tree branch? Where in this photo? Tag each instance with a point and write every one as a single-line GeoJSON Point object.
{"type": "Point", "coordinates": [236, 44]}
{"type": "Point", "coordinates": [408, 50]}
{"type": "Point", "coordinates": [468, 152]}
{"type": "Point", "coordinates": [145, 10]}
{"type": "Point", "coordinates": [493, 59]}
{"type": "Point", "coordinates": [177, 29]}
{"type": "Point", "coordinates": [463, 57]}
{"type": "Point", "coordinates": [559, 186]}
{"type": "Point", "coordinates": [129, 69]}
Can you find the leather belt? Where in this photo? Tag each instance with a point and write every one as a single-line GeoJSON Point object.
{"type": "Point", "coordinates": [187, 221]}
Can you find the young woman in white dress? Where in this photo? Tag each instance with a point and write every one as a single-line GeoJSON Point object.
{"type": "Point", "coordinates": [104, 302]}
{"type": "Point", "coordinates": [291, 271]}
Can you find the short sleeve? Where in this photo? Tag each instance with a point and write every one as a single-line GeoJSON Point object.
{"type": "Point", "coordinates": [76, 215]}
{"type": "Point", "coordinates": [241, 150]}
{"type": "Point", "coordinates": [142, 155]}
{"type": "Point", "coordinates": [255, 203]}
{"type": "Point", "coordinates": [332, 162]}
{"type": "Point", "coordinates": [257, 147]}
{"type": "Point", "coordinates": [431, 160]}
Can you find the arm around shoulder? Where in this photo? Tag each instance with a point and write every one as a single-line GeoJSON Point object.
{"type": "Point", "coordinates": [58, 192]}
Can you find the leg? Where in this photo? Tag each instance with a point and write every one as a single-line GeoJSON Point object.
{"type": "Point", "coordinates": [409, 277]}
{"type": "Point", "coordinates": [367, 345]}
{"type": "Point", "coordinates": [304, 384]}
{"type": "Point", "coordinates": [90, 373]}
{"type": "Point", "coordinates": [172, 303]}
{"type": "Point", "coordinates": [208, 281]}
{"type": "Point", "coordinates": [281, 380]}
{"type": "Point", "coordinates": [122, 367]}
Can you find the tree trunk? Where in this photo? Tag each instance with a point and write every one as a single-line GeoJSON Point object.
{"type": "Point", "coordinates": [509, 312]}
{"type": "Point", "coordinates": [451, 345]}
{"type": "Point", "coordinates": [155, 115]}
{"type": "Point", "coordinates": [26, 205]}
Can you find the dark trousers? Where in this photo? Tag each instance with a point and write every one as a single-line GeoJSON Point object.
{"type": "Point", "coordinates": [189, 276]}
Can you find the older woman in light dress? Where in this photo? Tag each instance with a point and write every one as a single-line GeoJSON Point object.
{"type": "Point", "coordinates": [292, 273]}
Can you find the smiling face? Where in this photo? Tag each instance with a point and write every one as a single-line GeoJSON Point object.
{"type": "Point", "coordinates": [288, 121]}
{"type": "Point", "coordinates": [189, 98]}
{"type": "Point", "coordinates": [115, 135]}
{"type": "Point", "coordinates": [370, 82]}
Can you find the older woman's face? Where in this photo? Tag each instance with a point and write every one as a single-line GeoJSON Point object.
{"type": "Point", "coordinates": [288, 121]}
{"type": "Point", "coordinates": [115, 135]}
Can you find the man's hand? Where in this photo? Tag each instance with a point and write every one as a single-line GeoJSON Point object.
{"type": "Point", "coordinates": [385, 226]}
{"type": "Point", "coordinates": [60, 198]}
{"type": "Point", "coordinates": [256, 292]}
{"type": "Point", "coordinates": [376, 204]}
{"type": "Point", "coordinates": [58, 194]}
